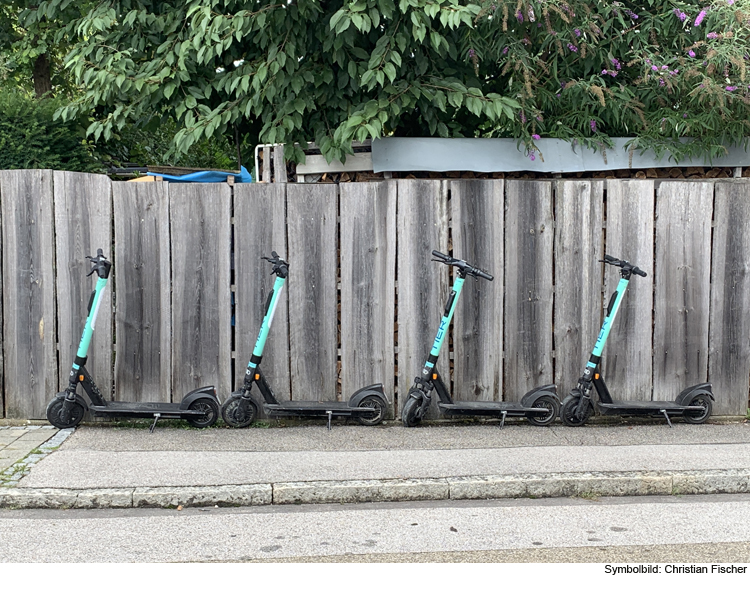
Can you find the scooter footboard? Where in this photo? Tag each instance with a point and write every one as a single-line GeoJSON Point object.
{"type": "Point", "coordinates": [532, 396]}
{"type": "Point", "coordinates": [684, 397]}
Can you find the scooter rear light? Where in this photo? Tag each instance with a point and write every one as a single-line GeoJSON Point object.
{"type": "Point", "coordinates": [434, 376]}
{"type": "Point", "coordinates": [257, 376]}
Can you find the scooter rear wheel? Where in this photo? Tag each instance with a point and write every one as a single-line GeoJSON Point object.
{"type": "Point", "coordinates": [552, 406]}
{"type": "Point", "coordinates": [210, 410]}
{"type": "Point", "coordinates": [239, 415]}
{"type": "Point", "coordinates": [374, 402]}
{"type": "Point", "coordinates": [409, 413]}
{"type": "Point", "coordinates": [698, 418]}
{"type": "Point", "coordinates": [54, 413]}
{"type": "Point", "coordinates": [568, 412]}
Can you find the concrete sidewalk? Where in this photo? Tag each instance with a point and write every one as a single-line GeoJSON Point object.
{"type": "Point", "coordinates": [129, 467]}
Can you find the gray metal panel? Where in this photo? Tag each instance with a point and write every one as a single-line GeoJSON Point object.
{"type": "Point", "coordinates": [503, 155]}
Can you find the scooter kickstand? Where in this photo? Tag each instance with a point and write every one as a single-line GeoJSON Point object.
{"type": "Point", "coordinates": [330, 414]}
{"type": "Point", "coordinates": [156, 418]}
{"type": "Point", "coordinates": [502, 421]}
{"type": "Point", "coordinates": [666, 416]}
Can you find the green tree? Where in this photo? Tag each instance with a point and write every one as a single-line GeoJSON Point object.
{"type": "Point", "coordinates": [341, 70]}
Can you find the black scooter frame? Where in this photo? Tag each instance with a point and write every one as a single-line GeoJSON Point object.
{"type": "Point", "coordinates": [199, 407]}
{"type": "Point", "coordinates": [540, 406]}
{"type": "Point", "coordinates": [693, 403]}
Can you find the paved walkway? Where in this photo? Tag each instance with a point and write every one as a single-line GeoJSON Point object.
{"type": "Point", "coordinates": [18, 442]}
{"type": "Point", "coordinates": [129, 467]}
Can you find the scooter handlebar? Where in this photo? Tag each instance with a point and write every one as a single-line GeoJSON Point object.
{"type": "Point", "coordinates": [280, 266]}
{"type": "Point", "coordinates": [610, 260]}
{"type": "Point", "coordinates": [101, 265]}
{"type": "Point", "coordinates": [465, 267]}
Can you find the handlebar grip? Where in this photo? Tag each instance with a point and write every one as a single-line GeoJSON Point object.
{"type": "Point", "coordinates": [440, 255]}
{"type": "Point", "coordinates": [638, 271]}
{"type": "Point", "coordinates": [484, 275]}
{"type": "Point", "coordinates": [610, 259]}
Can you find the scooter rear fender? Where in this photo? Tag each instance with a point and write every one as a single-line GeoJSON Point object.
{"type": "Point", "coordinates": [684, 397]}
{"type": "Point", "coordinates": [532, 396]}
{"type": "Point", "coordinates": [193, 395]}
{"type": "Point", "coordinates": [371, 390]}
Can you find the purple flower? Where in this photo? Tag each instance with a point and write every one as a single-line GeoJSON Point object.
{"type": "Point", "coordinates": [604, 72]}
{"type": "Point", "coordinates": [730, 2]}
{"type": "Point", "coordinates": [655, 68]}
{"type": "Point", "coordinates": [592, 123]}
{"type": "Point", "coordinates": [730, 88]}
{"type": "Point", "coordinates": [684, 115]}
{"type": "Point", "coordinates": [631, 14]}
{"type": "Point", "coordinates": [523, 117]}
{"type": "Point", "coordinates": [505, 50]}
{"type": "Point", "coordinates": [519, 16]}
{"type": "Point", "coordinates": [661, 81]}
{"type": "Point", "coordinates": [713, 35]}
{"type": "Point", "coordinates": [577, 32]}
{"type": "Point", "coordinates": [679, 14]}
{"type": "Point", "coordinates": [558, 95]}
{"type": "Point", "coordinates": [536, 136]}
{"type": "Point", "coordinates": [699, 18]}
{"type": "Point", "coordinates": [665, 67]}
{"type": "Point", "coordinates": [691, 53]}
{"type": "Point", "coordinates": [572, 47]}
{"type": "Point", "coordinates": [616, 63]}
{"type": "Point", "coordinates": [472, 53]}
{"type": "Point", "coordinates": [532, 156]}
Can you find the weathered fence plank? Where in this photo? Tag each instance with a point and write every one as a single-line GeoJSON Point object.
{"type": "Point", "coordinates": [259, 229]}
{"type": "Point", "coordinates": [28, 292]}
{"type": "Point", "coordinates": [83, 224]}
{"type": "Point", "coordinates": [423, 286]}
{"type": "Point", "coordinates": [529, 237]}
{"type": "Point", "coordinates": [200, 218]}
{"type": "Point", "coordinates": [143, 327]}
{"type": "Point", "coordinates": [312, 236]}
{"type": "Point", "coordinates": [729, 346]}
{"type": "Point", "coordinates": [368, 285]}
{"type": "Point", "coordinates": [627, 358]}
{"type": "Point", "coordinates": [683, 289]}
{"type": "Point", "coordinates": [579, 241]}
{"type": "Point", "coordinates": [478, 212]}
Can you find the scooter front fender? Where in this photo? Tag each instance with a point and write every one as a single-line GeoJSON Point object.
{"type": "Point", "coordinates": [193, 395]}
{"type": "Point", "coordinates": [79, 399]}
{"type": "Point", "coordinates": [532, 396]}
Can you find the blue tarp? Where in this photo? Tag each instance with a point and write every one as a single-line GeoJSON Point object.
{"type": "Point", "coordinates": [207, 176]}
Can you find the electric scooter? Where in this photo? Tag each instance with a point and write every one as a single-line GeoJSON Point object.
{"type": "Point", "coordinates": [200, 407]}
{"type": "Point", "coordinates": [368, 405]}
{"type": "Point", "coordinates": [693, 404]}
{"type": "Point", "coordinates": [540, 406]}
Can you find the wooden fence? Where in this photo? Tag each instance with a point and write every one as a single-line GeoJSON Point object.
{"type": "Point", "coordinates": [363, 299]}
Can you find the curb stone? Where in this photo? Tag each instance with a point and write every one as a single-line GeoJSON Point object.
{"type": "Point", "coordinates": [561, 484]}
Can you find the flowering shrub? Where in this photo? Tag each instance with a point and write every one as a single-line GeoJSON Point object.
{"type": "Point", "coordinates": [660, 71]}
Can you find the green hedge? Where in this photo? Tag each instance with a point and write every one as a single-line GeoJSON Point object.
{"type": "Point", "coordinates": [31, 138]}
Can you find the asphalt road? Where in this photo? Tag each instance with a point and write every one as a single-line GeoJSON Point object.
{"type": "Point", "coordinates": [644, 529]}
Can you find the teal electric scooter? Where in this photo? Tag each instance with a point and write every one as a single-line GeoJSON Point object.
{"type": "Point", "coordinates": [200, 407]}
{"type": "Point", "coordinates": [693, 403]}
{"type": "Point", "coordinates": [368, 405]}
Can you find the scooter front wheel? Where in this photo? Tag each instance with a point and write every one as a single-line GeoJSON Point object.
{"type": "Point", "coordinates": [553, 408]}
{"type": "Point", "coordinates": [568, 412]}
{"type": "Point", "coordinates": [376, 403]}
{"type": "Point", "coordinates": [239, 413]}
{"type": "Point", "coordinates": [55, 413]}
{"type": "Point", "coordinates": [409, 413]}
{"type": "Point", "coordinates": [210, 410]}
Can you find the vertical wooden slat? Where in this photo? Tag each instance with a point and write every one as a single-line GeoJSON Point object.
{"type": "Point", "coordinates": [259, 229]}
{"type": "Point", "coordinates": [83, 224]}
{"type": "Point", "coordinates": [529, 237]}
{"type": "Point", "coordinates": [2, 328]}
{"type": "Point", "coordinates": [368, 269]}
{"type": "Point", "coordinates": [627, 361]}
{"type": "Point", "coordinates": [478, 211]}
{"type": "Point", "coordinates": [423, 286]}
{"type": "Point", "coordinates": [143, 328]}
{"type": "Point", "coordinates": [729, 348]}
{"type": "Point", "coordinates": [579, 238]}
{"type": "Point", "coordinates": [200, 220]}
{"type": "Point", "coordinates": [28, 292]}
{"type": "Point", "coordinates": [683, 289]}
{"type": "Point", "coordinates": [266, 165]}
{"type": "Point", "coordinates": [279, 164]}
{"type": "Point", "coordinates": [311, 226]}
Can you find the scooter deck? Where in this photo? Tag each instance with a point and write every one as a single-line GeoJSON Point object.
{"type": "Point", "coordinates": [313, 408]}
{"type": "Point", "coordinates": [167, 410]}
{"type": "Point", "coordinates": [645, 407]}
{"type": "Point", "coordinates": [490, 409]}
